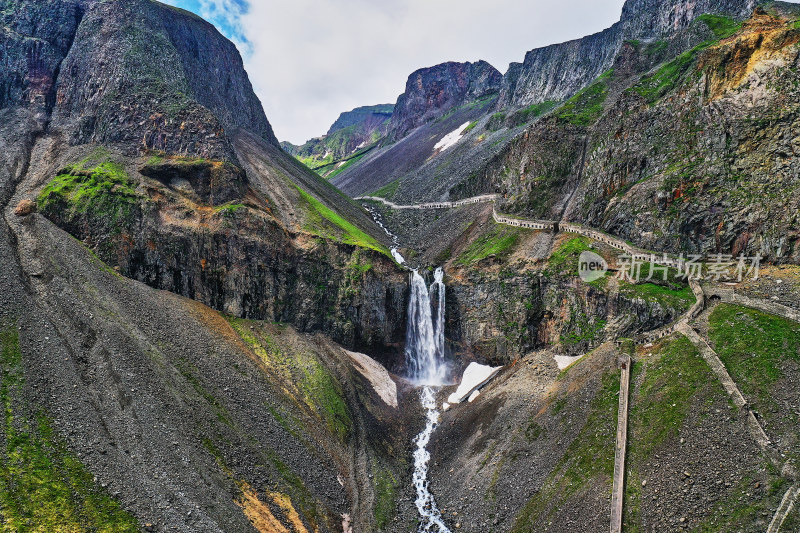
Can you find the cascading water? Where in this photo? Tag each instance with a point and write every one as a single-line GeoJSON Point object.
{"type": "Point", "coordinates": [424, 342]}
{"type": "Point", "coordinates": [426, 366]}
{"type": "Point", "coordinates": [432, 521]}
{"type": "Point", "coordinates": [395, 244]}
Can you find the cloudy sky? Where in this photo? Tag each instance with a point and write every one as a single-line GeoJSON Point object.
{"type": "Point", "coordinates": [309, 60]}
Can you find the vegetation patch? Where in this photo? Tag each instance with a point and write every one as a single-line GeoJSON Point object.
{"type": "Point", "coordinates": [589, 458]}
{"type": "Point", "coordinates": [564, 260]}
{"type": "Point", "coordinates": [385, 497]}
{"type": "Point", "coordinates": [523, 116]}
{"type": "Point", "coordinates": [327, 223]}
{"type": "Point", "coordinates": [103, 193]}
{"type": "Point", "coordinates": [721, 26]}
{"type": "Point", "coordinates": [496, 121]}
{"type": "Point", "coordinates": [735, 513]}
{"type": "Point", "coordinates": [583, 331]}
{"type": "Point", "coordinates": [500, 241]}
{"type": "Point", "coordinates": [655, 86]}
{"type": "Point", "coordinates": [43, 487]}
{"type": "Point", "coordinates": [388, 191]}
{"type": "Point", "coordinates": [671, 381]}
{"type": "Point", "coordinates": [342, 166]}
{"type": "Point", "coordinates": [311, 384]}
{"type": "Point", "coordinates": [674, 382]}
{"type": "Point", "coordinates": [754, 346]}
{"type": "Point", "coordinates": [666, 296]}
{"type": "Point", "coordinates": [229, 210]}
{"type": "Point", "coordinates": [585, 108]}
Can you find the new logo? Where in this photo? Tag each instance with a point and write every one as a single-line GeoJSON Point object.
{"type": "Point", "coordinates": [591, 266]}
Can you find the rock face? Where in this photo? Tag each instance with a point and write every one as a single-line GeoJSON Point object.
{"type": "Point", "coordinates": [184, 102]}
{"type": "Point", "coordinates": [432, 92]}
{"type": "Point", "coordinates": [134, 128]}
{"type": "Point", "coordinates": [680, 158]}
{"type": "Point", "coordinates": [556, 72]}
{"type": "Point", "coordinates": [158, 153]}
{"type": "Point", "coordinates": [367, 117]}
{"type": "Point", "coordinates": [29, 68]}
{"type": "Point", "coordinates": [238, 259]}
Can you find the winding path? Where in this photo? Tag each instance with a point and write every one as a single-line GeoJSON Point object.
{"type": "Point", "coordinates": [535, 224]}
{"type": "Point", "coordinates": [618, 490]}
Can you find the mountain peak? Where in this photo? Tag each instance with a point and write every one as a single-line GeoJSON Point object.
{"type": "Point", "coordinates": [431, 92]}
{"type": "Point", "coordinates": [146, 73]}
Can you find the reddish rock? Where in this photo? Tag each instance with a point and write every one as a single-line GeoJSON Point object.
{"type": "Point", "coordinates": [25, 208]}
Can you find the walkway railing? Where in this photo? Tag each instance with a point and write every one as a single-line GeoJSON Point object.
{"type": "Point", "coordinates": [484, 199]}
{"type": "Point", "coordinates": [535, 224]}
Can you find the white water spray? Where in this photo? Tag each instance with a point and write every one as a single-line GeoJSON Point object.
{"type": "Point", "coordinates": [426, 366]}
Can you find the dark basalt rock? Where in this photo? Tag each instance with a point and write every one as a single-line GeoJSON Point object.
{"type": "Point", "coordinates": [147, 75]}
{"type": "Point", "coordinates": [213, 182]}
{"type": "Point", "coordinates": [558, 71]}
{"type": "Point", "coordinates": [432, 92]}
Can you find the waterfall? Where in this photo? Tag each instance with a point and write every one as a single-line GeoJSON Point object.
{"type": "Point", "coordinates": [426, 367]}
{"type": "Point", "coordinates": [424, 342]}
{"type": "Point", "coordinates": [438, 277]}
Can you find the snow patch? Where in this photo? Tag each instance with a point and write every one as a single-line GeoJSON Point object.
{"type": "Point", "coordinates": [475, 377]}
{"type": "Point", "coordinates": [474, 396]}
{"type": "Point", "coordinates": [346, 527]}
{"type": "Point", "coordinates": [449, 140]}
{"type": "Point", "coordinates": [378, 377]}
{"type": "Point", "coordinates": [563, 361]}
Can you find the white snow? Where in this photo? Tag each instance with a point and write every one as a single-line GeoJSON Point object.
{"type": "Point", "coordinates": [451, 138]}
{"type": "Point", "coordinates": [563, 361]}
{"type": "Point", "coordinates": [475, 376]}
{"type": "Point", "coordinates": [346, 527]}
{"type": "Point", "coordinates": [377, 375]}
{"type": "Point", "coordinates": [445, 406]}
{"type": "Point", "coordinates": [474, 396]}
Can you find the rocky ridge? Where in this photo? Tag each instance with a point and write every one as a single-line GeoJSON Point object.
{"type": "Point", "coordinates": [352, 135]}
{"type": "Point", "coordinates": [556, 72]}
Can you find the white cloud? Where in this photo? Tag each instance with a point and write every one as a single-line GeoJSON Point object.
{"type": "Point", "coordinates": [312, 59]}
